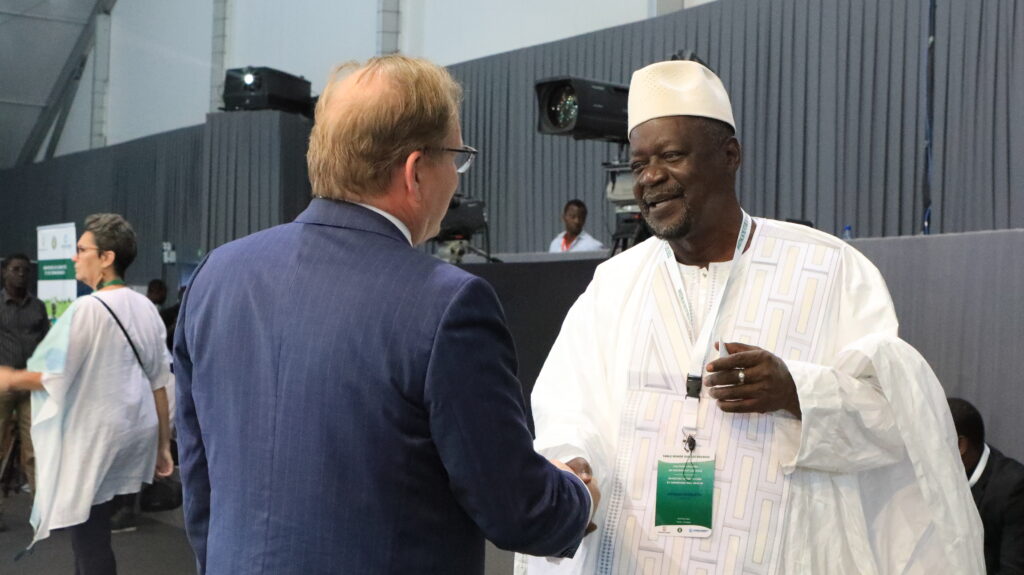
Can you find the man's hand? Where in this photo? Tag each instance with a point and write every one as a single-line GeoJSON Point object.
{"type": "Point", "coordinates": [581, 467]}
{"type": "Point", "coordinates": [766, 382]}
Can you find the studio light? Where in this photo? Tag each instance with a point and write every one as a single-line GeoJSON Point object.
{"type": "Point", "coordinates": [591, 110]}
{"type": "Point", "coordinates": [260, 88]}
{"type": "Point", "coordinates": [583, 109]}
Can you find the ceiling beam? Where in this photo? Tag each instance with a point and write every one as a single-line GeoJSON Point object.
{"type": "Point", "coordinates": [21, 103]}
{"type": "Point", "coordinates": [64, 110]}
{"type": "Point", "coordinates": [45, 18]}
{"type": "Point", "coordinates": [63, 86]}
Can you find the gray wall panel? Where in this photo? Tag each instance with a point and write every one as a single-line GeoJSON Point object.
{"type": "Point", "coordinates": [253, 174]}
{"type": "Point", "coordinates": [196, 187]}
{"type": "Point", "coordinates": [978, 184]}
{"type": "Point", "coordinates": [959, 304]}
{"type": "Point", "coordinates": [828, 96]}
{"type": "Point", "coordinates": [150, 181]}
{"type": "Point", "coordinates": [829, 100]}
{"type": "Point", "coordinates": [1015, 123]}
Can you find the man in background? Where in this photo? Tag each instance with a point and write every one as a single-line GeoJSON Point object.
{"type": "Point", "coordinates": [997, 484]}
{"type": "Point", "coordinates": [347, 403]}
{"type": "Point", "coordinates": [156, 291]}
{"type": "Point", "coordinates": [170, 317]}
{"type": "Point", "coordinates": [574, 239]}
{"type": "Point", "coordinates": [23, 323]}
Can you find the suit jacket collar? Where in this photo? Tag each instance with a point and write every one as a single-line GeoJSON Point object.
{"type": "Point", "coordinates": [341, 214]}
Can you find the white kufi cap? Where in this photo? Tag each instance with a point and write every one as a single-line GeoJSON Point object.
{"type": "Point", "coordinates": [677, 88]}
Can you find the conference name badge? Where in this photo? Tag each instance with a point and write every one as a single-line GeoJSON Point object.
{"type": "Point", "coordinates": [685, 492]}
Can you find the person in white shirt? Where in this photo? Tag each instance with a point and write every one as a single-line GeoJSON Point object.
{"type": "Point", "coordinates": [737, 387]}
{"type": "Point", "coordinates": [574, 239]}
{"type": "Point", "coordinates": [100, 413]}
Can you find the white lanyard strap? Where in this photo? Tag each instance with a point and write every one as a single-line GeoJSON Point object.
{"type": "Point", "coordinates": [700, 346]}
{"type": "Point", "coordinates": [699, 352]}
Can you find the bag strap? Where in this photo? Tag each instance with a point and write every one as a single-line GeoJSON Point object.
{"type": "Point", "coordinates": [124, 331]}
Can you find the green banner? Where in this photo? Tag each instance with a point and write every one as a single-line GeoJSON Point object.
{"type": "Point", "coordinates": [57, 287]}
{"type": "Point", "coordinates": [56, 270]}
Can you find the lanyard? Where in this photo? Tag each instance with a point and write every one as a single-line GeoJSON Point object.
{"type": "Point", "coordinates": [700, 347]}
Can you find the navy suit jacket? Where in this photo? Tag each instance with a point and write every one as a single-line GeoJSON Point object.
{"type": "Point", "coordinates": [348, 404]}
{"type": "Point", "coordinates": [999, 494]}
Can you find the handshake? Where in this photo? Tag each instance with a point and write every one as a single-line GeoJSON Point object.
{"type": "Point", "coordinates": [581, 468]}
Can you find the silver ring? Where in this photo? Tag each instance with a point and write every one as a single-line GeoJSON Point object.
{"type": "Point", "coordinates": [741, 376]}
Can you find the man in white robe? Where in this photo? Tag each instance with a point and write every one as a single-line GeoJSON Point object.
{"type": "Point", "coordinates": [832, 446]}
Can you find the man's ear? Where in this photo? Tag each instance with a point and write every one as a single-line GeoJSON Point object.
{"type": "Point", "coordinates": [733, 154]}
{"type": "Point", "coordinates": [411, 175]}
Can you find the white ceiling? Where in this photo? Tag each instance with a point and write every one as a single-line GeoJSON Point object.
{"type": "Point", "coordinates": [36, 39]}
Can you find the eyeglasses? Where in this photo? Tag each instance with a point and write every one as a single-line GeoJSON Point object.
{"type": "Point", "coordinates": [80, 249]}
{"type": "Point", "coordinates": [463, 157]}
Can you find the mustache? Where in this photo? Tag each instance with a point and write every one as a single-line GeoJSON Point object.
{"type": "Point", "coordinates": [654, 197]}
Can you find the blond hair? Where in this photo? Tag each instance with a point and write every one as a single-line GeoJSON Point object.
{"type": "Point", "coordinates": [370, 118]}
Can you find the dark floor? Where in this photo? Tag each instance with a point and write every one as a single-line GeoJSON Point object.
{"type": "Point", "coordinates": [158, 547]}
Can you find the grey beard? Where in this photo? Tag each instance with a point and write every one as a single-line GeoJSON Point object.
{"type": "Point", "coordinates": [670, 230]}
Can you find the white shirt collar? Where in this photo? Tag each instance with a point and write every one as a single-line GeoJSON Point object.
{"type": "Point", "coordinates": [980, 467]}
{"type": "Point", "coordinates": [398, 223]}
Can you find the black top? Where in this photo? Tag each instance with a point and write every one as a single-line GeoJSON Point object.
{"type": "Point", "coordinates": [999, 494]}
{"type": "Point", "coordinates": [22, 326]}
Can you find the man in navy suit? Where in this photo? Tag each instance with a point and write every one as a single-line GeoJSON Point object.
{"type": "Point", "coordinates": [346, 403]}
{"type": "Point", "coordinates": [997, 484]}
